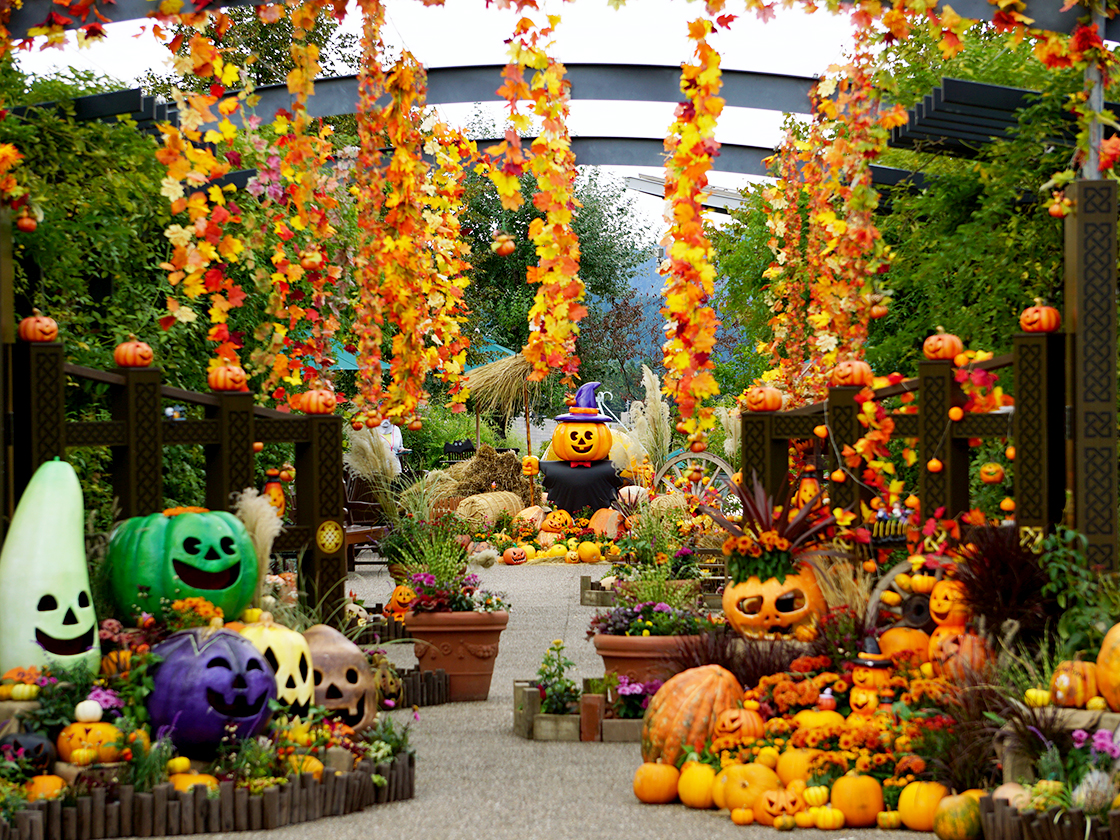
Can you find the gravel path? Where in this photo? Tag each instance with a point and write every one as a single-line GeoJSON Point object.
{"type": "Point", "coordinates": [476, 779]}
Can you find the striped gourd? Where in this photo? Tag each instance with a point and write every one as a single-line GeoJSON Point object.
{"type": "Point", "coordinates": [684, 711]}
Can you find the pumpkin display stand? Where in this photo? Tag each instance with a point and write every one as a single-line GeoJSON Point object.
{"type": "Point", "coordinates": [639, 658]}
{"type": "Point", "coordinates": [464, 644]}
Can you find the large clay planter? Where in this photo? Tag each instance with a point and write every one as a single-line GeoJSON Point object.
{"type": "Point", "coordinates": [639, 658]}
{"type": "Point", "coordinates": [464, 644]}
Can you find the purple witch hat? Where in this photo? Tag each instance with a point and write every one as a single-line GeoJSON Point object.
{"type": "Point", "coordinates": [586, 410]}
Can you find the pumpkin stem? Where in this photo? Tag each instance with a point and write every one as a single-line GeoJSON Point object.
{"type": "Point", "coordinates": [265, 618]}
{"type": "Point", "coordinates": [1038, 301]}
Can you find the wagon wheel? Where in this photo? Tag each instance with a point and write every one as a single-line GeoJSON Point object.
{"type": "Point", "coordinates": [675, 477]}
{"type": "Point", "coordinates": [913, 611]}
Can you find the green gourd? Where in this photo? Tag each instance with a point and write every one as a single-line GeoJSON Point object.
{"type": "Point", "coordinates": [47, 617]}
{"type": "Point", "coordinates": [194, 553]}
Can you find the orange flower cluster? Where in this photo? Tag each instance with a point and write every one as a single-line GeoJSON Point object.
{"type": "Point", "coordinates": [690, 328]}
{"type": "Point", "coordinates": [753, 546]}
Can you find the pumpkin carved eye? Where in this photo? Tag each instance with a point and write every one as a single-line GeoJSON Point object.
{"type": "Point", "coordinates": [272, 660]}
{"type": "Point", "coordinates": [254, 665]}
{"type": "Point", "coordinates": [219, 662]}
{"type": "Point", "coordinates": [83, 599]}
{"type": "Point", "coordinates": [191, 545]}
{"type": "Point", "coordinates": [318, 676]}
{"type": "Point", "coordinates": [751, 605]}
{"type": "Point", "coordinates": [303, 669]}
{"type": "Point", "coordinates": [351, 675]}
{"type": "Point", "coordinates": [790, 601]}
{"type": "Point", "coordinates": [47, 603]}
{"type": "Point", "coordinates": [228, 545]}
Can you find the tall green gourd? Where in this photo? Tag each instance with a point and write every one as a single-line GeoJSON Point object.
{"type": "Point", "coordinates": [46, 607]}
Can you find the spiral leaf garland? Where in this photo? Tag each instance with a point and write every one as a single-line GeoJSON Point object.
{"type": "Point", "coordinates": [690, 328]}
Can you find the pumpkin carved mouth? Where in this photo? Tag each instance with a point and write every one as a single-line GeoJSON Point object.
{"type": "Point", "coordinates": [298, 709]}
{"type": "Point", "coordinates": [239, 708]}
{"type": "Point", "coordinates": [65, 647]}
{"type": "Point", "coordinates": [197, 578]}
{"type": "Point", "coordinates": [352, 720]}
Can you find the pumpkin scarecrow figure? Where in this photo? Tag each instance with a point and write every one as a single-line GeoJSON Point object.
{"type": "Point", "coordinates": [585, 476]}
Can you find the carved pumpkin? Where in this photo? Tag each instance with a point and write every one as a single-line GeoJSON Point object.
{"type": "Point", "coordinates": [227, 378]}
{"type": "Point", "coordinates": [1073, 683]}
{"type": "Point", "coordinates": [991, 473]}
{"type": "Point", "coordinates": [942, 345]}
{"type": "Point", "coordinates": [946, 605]}
{"type": "Point", "coordinates": [851, 373]}
{"type": "Point", "coordinates": [776, 803]}
{"type": "Point", "coordinates": [317, 401]}
{"type": "Point", "coordinates": [867, 676]}
{"type": "Point", "coordinates": [864, 701]}
{"type": "Point", "coordinates": [38, 751]}
{"type": "Point", "coordinates": [514, 556]}
{"type": "Point", "coordinates": [344, 683]}
{"type": "Point", "coordinates": [400, 603]}
{"type": "Point", "coordinates": [99, 737]}
{"type": "Point", "coordinates": [859, 797]}
{"type": "Point", "coordinates": [962, 655]}
{"type": "Point", "coordinates": [290, 657]}
{"type": "Point", "coordinates": [157, 559]}
{"type": "Point", "coordinates": [557, 521]}
{"type": "Point", "coordinates": [738, 724]}
{"type": "Point", "coordinates": [581, 441]}
{"type": "Point", "coordinates": [38, 328]}
{"type": "Point", "coordinates": [132, 353]}
{"type": "Point", "coordinates": [756, 607]}
{"type": "Point", "coordinates": [1040, 318]}
{"type": "Point", "coordinates": [763, 398]}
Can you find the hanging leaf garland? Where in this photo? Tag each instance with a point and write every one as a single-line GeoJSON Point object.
{"type": "Point", "coordinates": [690, 328]}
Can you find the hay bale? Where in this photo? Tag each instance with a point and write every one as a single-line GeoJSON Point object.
{"type": "Point", "coordinates": [485, 507]}
{"type": "Point", "coordinates": [488, 470]}
{"type": "Point", "coordinates": [669, 503]}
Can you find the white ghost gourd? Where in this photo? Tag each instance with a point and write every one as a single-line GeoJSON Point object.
{"type": "Point", "coordinates": [47, 617]}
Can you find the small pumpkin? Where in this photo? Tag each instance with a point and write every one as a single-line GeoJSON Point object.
{"type": "Point", "coordinates": [859, 797]}
{"type": "Point", "coordinates": [785, 822]}
{"type": "Point", "coordinates": [514, 556]}
{"type": "Point", "coordinates": [742, 816]}
{"type": "Point", "coordinates": [946, 604]}
{"type": "Point", "coordinates": [306, 764]}
{"type": "Point", "coordinates": [1040, 318]}
{"type": "Point", "coordinates": [187, 781]}
{"type": "Point", "coordinates": [773, 804]}
{"type": "Point", "coordinates": [942, 345]}
{"type": "Point", "coordinates": [83, 756]}
{"type": "Point", "coordinates": [88, 711]}
{"type": "Point", "coordinates": [830, 819]}
{"type": "Point", "coordinates": [899, 640]}
{"type": "Point", "coordinates": [851, 373]}
{"type": "Point", "coordinates": [991, 473]}
{"type": "Point", "coordinates": [557, 521]}
{"type": "Point", "coordinates": [888, 820]}
{"type": "Point", "coordinates": [1037, 698]}
{"type": "Point", "coordinates": [763, 398]}
{"type": "Point", "coordinates": [656, 783]}
{"type": "Point", "coordinates": [958, 818]}
{"type": "Point", "coordinates": [43, 787]}
{"type": "Point", "coordinates": [1073, 683]}
{"type": "Point", "coordinates": [694, 787]}
{"type": "Point", "coordinates": [922, 584]}
{"type": "Point", "coordinates": [817, 795]}
{"type": "Point", "coordinates": [918, 803]}
{"type": "Point", "coordinates": [115, 662]}
{"type": "Point", "coordinates": [571, 556]}
{"type": "Point", "coordinates": [38, 328]}
{"type": "Point", "coordinates": [133, 353]}
{"type": "Point", "coordinates": [227, 378]}
{"type": "Point", "coordinates": [806, 818]}
{"type": "Point", "coordinates": [1096, 704]}
{"type": "Point", "coordinates": [316, 401]}
{"type": "Point", "coordinates": [738, 724]}
{"type": "Point", "coordinates": [178, 764]}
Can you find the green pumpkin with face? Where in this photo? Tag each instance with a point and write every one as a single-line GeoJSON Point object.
{"type": "Point", "coordinates": [155, 560]}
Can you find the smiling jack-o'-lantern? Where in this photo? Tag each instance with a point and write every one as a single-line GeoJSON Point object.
{"type": "Point", "coordinates": [946, 604]}
{"type": "Point", "coordinates": [514, 556]}
{"type": "Point", "coordinates": [155, 560]}
{"type": "Point", "coordinates": [763, 398]}
{"type": "Point", "coordinates": [290, 657]}
{"type": "Point", "coordinates": [873, 667]}
{"type": "Point", "coordinates": [864, 701]}
{"type": "Point", "coordinates": [851, 372]}
{"type": "Point", "coordinates": [581, 441]}
{"type": "Point", "coordinates": [400, 603]}
{"type": "Point", "coordinates": [557, 521]}
{"type": "Point", "coordinates": [47, 617]}
{"type": "Point", "coordinates": [755, 607]}
{"type": "Point", "coordinates": [344, 683]}
{"type": "Point", "coordinates": [209, 680]}
{"type": "Point", "coordinates": [961, 656]}
{"type": "Point", "coordinates": [773, 804]}
{"type": "Point", "coordinates": [1040, 318]}
{"type": "Point", "coordinates": [991, 473]}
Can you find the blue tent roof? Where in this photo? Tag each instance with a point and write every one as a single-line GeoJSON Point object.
{"type": "Point", "coordinates": [487, 349]}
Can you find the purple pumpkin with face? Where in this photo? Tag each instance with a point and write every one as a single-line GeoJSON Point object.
{"type": "Point", "coordinates": [210, 680]}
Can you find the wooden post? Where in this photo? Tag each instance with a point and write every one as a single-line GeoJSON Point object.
{"type": "Point", "coordinates": [138, 465]}
{"type": "Point", "coordinates": [39, 417]}
{"type": "Point", "coordinates": [229, 463]}
{"type": "Point", "coordinates": [948, 488]}
{"type": "Point", "coordinates": [1090, 318]}
{"type": "Point", "coordinates": [763, 455]}
{"type": "Point", "coordinates": [319, 504]}
{"type": "Point", "coordinates": [1039, 425]}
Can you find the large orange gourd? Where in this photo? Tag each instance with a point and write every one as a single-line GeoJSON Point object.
{"type": "Point", "coordinates": [1108, 668]}
{"type": "Point", "coordinates": [684, 711]}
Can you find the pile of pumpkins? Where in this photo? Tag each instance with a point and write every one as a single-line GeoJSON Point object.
{"type": "Point", "coordinates": [772, 790]}
{"type": "Point", "coordinates": [552, 526]}
{"type": "Point", "coordinates": [1084, 685]}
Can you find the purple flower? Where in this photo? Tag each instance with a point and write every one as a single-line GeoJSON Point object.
{"type": "Point", "coordinates": [1080, 736]}
{"type": "Point", "coordinates": [106, 698]}
{"type": "Point", "coordinates": [275, 192]}
{"type": "Point", "coordinates": [665, 608]}
{"type": "Point", "coordinates": [1102, 740]}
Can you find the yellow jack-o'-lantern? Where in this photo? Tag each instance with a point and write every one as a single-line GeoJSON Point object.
{"type": "Point", "coordinates": [582, 433]}
{"type": "Point", "coordinates": [557, 522]}
{"type": "Point", "coordinates": [946, 604]}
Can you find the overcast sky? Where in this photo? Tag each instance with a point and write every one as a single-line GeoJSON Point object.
{"type": "Point", "coordinates": [465, 32]}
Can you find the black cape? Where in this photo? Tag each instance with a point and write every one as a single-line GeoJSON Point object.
{"type": "Point", "coordinates": [575, 488]}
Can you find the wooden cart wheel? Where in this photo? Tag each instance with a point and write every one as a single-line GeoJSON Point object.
{"type": "Point", "coordinates": [675, 477]}
{"type": "Point", "coordinates": [913, 609]}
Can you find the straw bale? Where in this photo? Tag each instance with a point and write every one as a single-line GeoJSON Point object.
{"type": "Point", "coordinates": [485, 507]}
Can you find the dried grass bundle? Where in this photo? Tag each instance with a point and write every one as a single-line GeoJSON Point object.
{"type": "Point", "coordinates": [369, 456]}
{"type": "Point", "coordinates": [649, 421]}
{"type": "Point", "coordinates": [500, 386]}
{"type": "Point", "coordinates": [844, 583]}
{"type": "Point", "coordinates": [263, 525]}
{"type": "Point", "coordinates": [732, 421]}
{"type": "Point", "coordinates": [488, 471]}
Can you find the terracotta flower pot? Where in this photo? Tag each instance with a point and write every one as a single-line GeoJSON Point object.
{"type": "Point", "coordinates": [639, 658]}
{"type": "Point", "coordinates": [464, 644]}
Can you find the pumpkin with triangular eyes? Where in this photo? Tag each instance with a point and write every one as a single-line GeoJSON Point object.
{"type": "Point", "coordinates": [581, 441]}
{"type": "Point", "coordinates": [344, 683]}
{"type": "Point", "coordinates": [557, 521]}
{"type": "Point", "coordinates": [290, 657]}
{"type": "Point", "coordinates": [182, 553]}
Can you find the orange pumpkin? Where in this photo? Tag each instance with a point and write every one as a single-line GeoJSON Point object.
{"type": "Point", "coordinates": [514, 556]}
{"type": "Point", "coordinates": [899, 640]}
{"type": "Point", "coordinates": [315, 401]}
{"type": "Point", "coordinates": [115, 662]}
{"type": "Point", "coordinates": [38, 328]}
{"type": "Point", "coordinates": [793, 765]}
{"type": "Point", "coordinates": [859, 797]}
{"type": "Point", "coordinates": [851, 373]}
{"type": "Point", "coordinates": [100, 737]}
{"type": "Point", "coordinates": [958, 818]}
{"type": "Point", "coordinates": [756, 607]}
{"type": "Point", "coordinates": [581, 441]}
{"type": "Point", "coordinates": [557, 522]}
{"type": "Point", "coordinates": [227, 378]}
{"type": "Point", "coordinates": [1073, 683]}
{"type": "Point", "coordinates": [864, 701]}
{"type": "Point", "coordinates": [187, 781]}
{"type": "Point", "coordinates": [1040, 318]}
{"type": "Point", "coordinates": [946, 604]}
{"type": "Point", "coordinates": [656, 783]}
{"type": "Point", "coordinates": [1108, 668]}
{"type": "Point", "coordinates": [962, 656]}
{"type": "Point", "coordinates": [942, 345]}
{"type": "Point", "coordinates": [738, 724]}
{"type": "Point", "coordinates": [746, 783]}
{"type": "Point", "coordinates": [773, 804]}
{"type": "Point", "coordinates": [918, 804]}
{"type": "Point", "coordinates": [606, 522]}
{"type": "Point", "coordinates": [923, 584]}
{"type": "Point", "coordinates": [43, 787]}
{"type": "Point", "coordinates": [763, 398]}
{"type": "Point", "coordinates": [684, 710]}
{"type": "Point", "coordinates": [878, 311]}
{"type": "Point", "coordinates": [991, 473]}
{"type": "Point", "coordinates": [132, 353]}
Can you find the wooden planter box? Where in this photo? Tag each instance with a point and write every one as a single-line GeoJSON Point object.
{"type": "Point", "coordinates": [592, 594]}
{"type": "Point", "coordinates": [555, 727]}
{"type": "Point", "coordinates": [1017, 767]}
{"type": "Point", "coordinates": [619, 730]}
{"type": "Point", "coordinates": [165, 811]}
{"type": "Point", "coordinates": [526, 706]}
{"type": "Point", "coordinates": [1002, 822]}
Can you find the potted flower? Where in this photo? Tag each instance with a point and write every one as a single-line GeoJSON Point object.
{"type": "Point", "coordinates": [771, 589]}
{"type": "Point", "coordinates": [628, 701]}
{"type": "Point", "coordinates": [558, 719]}
{"type": "Point", "coordinates": [456, 624]}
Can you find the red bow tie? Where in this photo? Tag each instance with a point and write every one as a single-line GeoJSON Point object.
{"type": "Point", "coordinates": [580, 463]}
